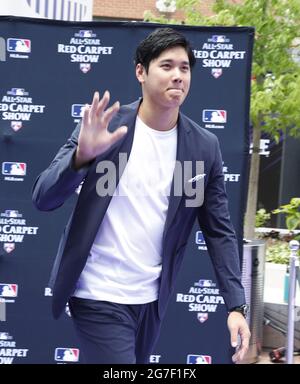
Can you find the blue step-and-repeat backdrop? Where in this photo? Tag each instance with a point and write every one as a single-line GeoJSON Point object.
{"type": "Point", "coordinates": [49, 70]}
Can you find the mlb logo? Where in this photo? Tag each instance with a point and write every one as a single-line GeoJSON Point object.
{"type": "Point", "coordinates": [202, 317]}
{"type": "Point", "coordinates": [17, 92]}
{"type": "Point", "coordinates": [214, 116]}
{"type": "Point", "coordinates": [19, 45]}
{"type": "Point", "coordinates": [85, 33]}
{"type": "Point", "coordinates": [13, 168]}
{"type": "Point", "coordinates": [205, 283]}
{"type": "Point", "coordinates": [11, 213]}
{"type": "Point", "coordinates": [198, 359]}
{"type": "Point", "coordinates": [218, 39]}
{"type": "Point", "coordinates": [77, 110]}
{"type": "Point", "coordinates": [16, 125]}
{"type": "Point", "coordinates": [8, 290]}
{"type": "Point", "coordinates": [9, 247]}
{"type": "Point", "coordinates": [216, 72]}
{"type": "Point", "coordinates": [200, 238]}
{"type": "Point", "coordinates": [66, 354]}
{"type": "Point", "coordinates": [85, 67]}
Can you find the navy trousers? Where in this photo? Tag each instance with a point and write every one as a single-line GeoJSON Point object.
{"type": "Point", "coordinates": [111, 333]}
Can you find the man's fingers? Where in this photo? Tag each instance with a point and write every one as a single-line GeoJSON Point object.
{"type": "Point", "coordinates": [85, 116]}
{"type": "Point", "coordinates": [245, 341]}
{"type": "Point", "coordinates": [242, 349]}
{"type": "Point", "coordinates": [239, 335]}
{"type": "Point", "coordinates": [110, 112]}
{"type": "Point", "coordinates": [118, 134]}
{"type": "Point", "coordinates": [95, 103]}
{"type": "Point", "coordinates": [234, 337]}
{"type": "Point", "coordinates": [103, 103]}
{"type": "Point", "coordinates": [235, 357]}
{"type": "Point", "coordinates": [96, 113]}
{"type": "Point", "coordinates": [240, 354]}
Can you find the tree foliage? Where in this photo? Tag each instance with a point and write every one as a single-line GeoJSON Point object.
{"type": "Point", "coordinates": [292, 212]}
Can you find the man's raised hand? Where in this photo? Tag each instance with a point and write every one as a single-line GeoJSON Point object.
{"type": "Point", "coordinates": [94, 138]}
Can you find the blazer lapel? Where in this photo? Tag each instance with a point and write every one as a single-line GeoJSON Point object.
{"type": "Point", "coordinates": [180, 176]}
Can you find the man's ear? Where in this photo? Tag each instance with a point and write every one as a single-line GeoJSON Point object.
{"type": "Point", "coordinates": [140, 73]}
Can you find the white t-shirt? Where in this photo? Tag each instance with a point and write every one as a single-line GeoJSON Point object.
{"type": "Point", "coordinates": [125, 263]}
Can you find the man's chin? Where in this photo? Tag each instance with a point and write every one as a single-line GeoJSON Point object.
{"type": "Point", "coordinates": [176, 101]}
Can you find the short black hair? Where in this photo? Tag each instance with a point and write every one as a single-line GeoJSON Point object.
{"type": "Point", "coordinates": [158, 41]}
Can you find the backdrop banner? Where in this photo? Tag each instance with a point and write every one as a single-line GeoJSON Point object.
{"type": "Point", "coordinates": [49, 70]}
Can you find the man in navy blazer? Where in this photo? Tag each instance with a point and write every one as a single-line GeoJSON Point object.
{"type": "Point", "coordinates": [147, 172]}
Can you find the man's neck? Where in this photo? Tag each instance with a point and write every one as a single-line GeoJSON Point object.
{"type": "Point", "coordinates": [158, 118]}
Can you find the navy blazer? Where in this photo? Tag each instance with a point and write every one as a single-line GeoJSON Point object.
{"type": "Point", "coordinates": [59, 181]}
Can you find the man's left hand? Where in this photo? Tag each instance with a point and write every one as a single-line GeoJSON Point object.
{"type": "Point", "coordinates": [238, 326]}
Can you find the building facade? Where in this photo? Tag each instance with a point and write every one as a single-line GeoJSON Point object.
{"type": "Point", "coordinates": [135, 9]}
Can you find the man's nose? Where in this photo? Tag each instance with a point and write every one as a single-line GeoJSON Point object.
{"type": "Point", "coordinates": [177, 75]}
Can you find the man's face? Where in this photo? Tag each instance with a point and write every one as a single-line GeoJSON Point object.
{"type": "Point", "coordinates": [168, 79]}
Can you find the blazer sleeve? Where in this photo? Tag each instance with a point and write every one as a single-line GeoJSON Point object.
{"type": "Point", "coordinates": [214, 220]}
{"type": "Point", "coordinates": [59, 181]}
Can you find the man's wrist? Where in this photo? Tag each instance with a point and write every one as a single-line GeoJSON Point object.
{"type": "Point", "coordinates": [79, 160]}
{"type": "Point", "coordinates": [242, 309]}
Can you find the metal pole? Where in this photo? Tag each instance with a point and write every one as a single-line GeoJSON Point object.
{"type": "Point", "coordinates": [294, 262]}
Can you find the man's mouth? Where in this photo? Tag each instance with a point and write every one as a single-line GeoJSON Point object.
{"type": "Point", "coordinates": [175, 89]}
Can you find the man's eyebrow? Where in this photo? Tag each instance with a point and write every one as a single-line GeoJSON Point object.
{"type": "Point", "coordinates": [172, 61]}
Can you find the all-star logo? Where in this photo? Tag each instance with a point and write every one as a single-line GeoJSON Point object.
{"type": "Point", "coordinates": [13, 228]}
{"type": "Point", "coordinates": [85, 48]}
{"type": "Point", "coordinates": [218, 53]}
{"type": "Point", "coordinates": [203, 297]}
{"type": "Point", "coordinates": [9, 350]}
{"type": "Point", "coordinates": [17, 107]}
